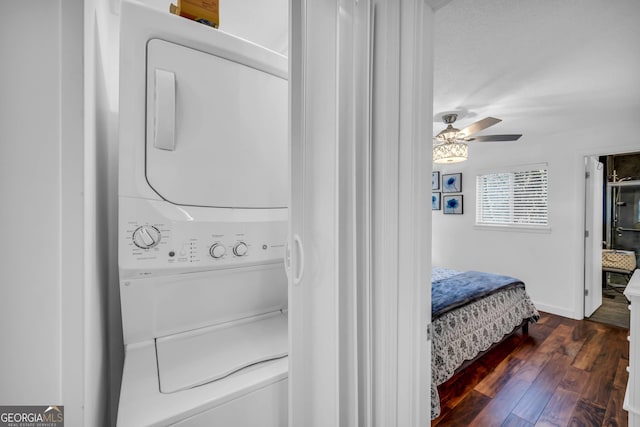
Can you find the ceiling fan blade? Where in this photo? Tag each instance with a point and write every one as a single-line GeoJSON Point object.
{"type": "Point", "coordinates": [488, 138]}
{"type": "Point", "coordinates": [478, 126]}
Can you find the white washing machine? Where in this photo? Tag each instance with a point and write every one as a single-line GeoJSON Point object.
{"type": "Point", "coordinates": [202, 224]}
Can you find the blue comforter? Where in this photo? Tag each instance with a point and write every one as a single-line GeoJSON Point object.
{"type": "Point", "coordinates": [455, 291]}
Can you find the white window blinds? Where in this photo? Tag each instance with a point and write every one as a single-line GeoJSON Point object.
{"type": "Point", "coordinates": [513, 198]}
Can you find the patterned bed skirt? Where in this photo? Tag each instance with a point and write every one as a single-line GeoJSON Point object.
{"type": "Point", "coordinates": [462, 334]}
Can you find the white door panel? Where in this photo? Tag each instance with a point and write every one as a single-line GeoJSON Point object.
{"type": "Point", "coordinates": [314, 387]}
{"type": "Point", "coordinates": [593, 236]}
{"type": "Point", "coordinates": [220, 139]}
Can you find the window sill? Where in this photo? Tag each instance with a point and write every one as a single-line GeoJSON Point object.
{"type": "Point", "coordinates": [513, 228]}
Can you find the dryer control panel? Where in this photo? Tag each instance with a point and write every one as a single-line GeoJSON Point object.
{"type": "Point", "coordinates": [158, 238]}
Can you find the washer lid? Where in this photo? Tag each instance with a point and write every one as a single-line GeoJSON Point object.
{"type": "Point", "coordinates": [199, 357]}
{"type": "Point", "coordinates": [217, 127]}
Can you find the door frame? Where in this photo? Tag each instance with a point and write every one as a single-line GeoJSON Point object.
{"type": "Point", "coordinates": [580, 288]}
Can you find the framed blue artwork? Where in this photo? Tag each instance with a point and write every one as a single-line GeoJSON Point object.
{"type": "Point", "coordinates": [452, 204]}
{"type": "Point", "coordinates": [452, 183]}
{"type": "Point", "coordinates": [435, 180]}
{"type": "Point", "coordinates": [435, 201]}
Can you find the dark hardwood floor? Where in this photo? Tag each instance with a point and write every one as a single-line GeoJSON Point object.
{"type": "Point", "coordinates": [564, 373]}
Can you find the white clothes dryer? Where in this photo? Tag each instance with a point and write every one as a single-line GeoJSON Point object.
{"type": "Point", "coordinates": [203, 191]}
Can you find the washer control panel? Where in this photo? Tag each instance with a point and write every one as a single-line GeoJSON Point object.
{"type": "Point", "coordinates": [165, 243]}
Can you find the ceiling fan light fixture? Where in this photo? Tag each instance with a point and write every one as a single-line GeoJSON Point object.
{"type": "Point", "coordinates": [448, 135]}
{"type": "Point", "coordinates": [450, 152]}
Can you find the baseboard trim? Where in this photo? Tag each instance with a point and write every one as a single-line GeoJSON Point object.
{"type": "Point", "coordinates": [560, 311]}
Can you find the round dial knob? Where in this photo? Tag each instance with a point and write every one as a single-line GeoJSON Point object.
{"type": "Point", "coordinates": [146, 237]}
{"type": "Point", "coordinates": [217, 250]}
{"type": "Point", "coordinates": [240, 249]}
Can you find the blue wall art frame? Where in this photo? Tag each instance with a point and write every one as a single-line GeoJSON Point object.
{"type": "Point", "coordinates": [452, 205]}
{"type": "Point", "coordinates": [452, 183]}
{"type": "Point", "coordinates": [435, 180]}
{"type": "Point", "coordinates": [436, 202]}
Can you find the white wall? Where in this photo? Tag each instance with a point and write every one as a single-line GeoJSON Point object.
{"type": "Point", "coordinates": [52, 301]}
{"type": "Point", "coordinates": [30, 329]}
{"type": "Point", "coordinates": [43, 214]}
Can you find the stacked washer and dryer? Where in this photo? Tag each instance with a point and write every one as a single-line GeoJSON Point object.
{"type": "Point", "coordinates": [203, 191]}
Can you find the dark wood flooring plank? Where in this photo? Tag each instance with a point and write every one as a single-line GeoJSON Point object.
{"type": "Point", "coordinates": [515, 421]}
{"type": "Point", "coordinates": [563, 340]}
{"type": "Point", "coordinates": [458, 386]}
{"type": "Point", "coordinates": [615, 416]}
{"type": "Point", "coordinates": [494, 381]}
{"type": "Point", "coordinates": [540, 332]}
{"type": "Point", "coordinates": [590, 351]}
{"type": "Point", "coordinates": [463, 414]}
{"type": "Point", "coordinates": [586, 414]}
{"type": "Point", "coordinates": [452, 392]}
{"type": "Point", "coordinates": [585, 330]}
{"type": "Point", "coordinates": [502, 351]}
{"type": "Point", "coordinates": [530, 370]}
{"type": "Point", "coordinates": [538, 395]}
{"type": "Point", "coordinates": [499, 408]}
{"type": "Point", "coordinates": [622, 376]}
{"type": "Point", "coordinates": [527, 347]}
{"type": "Point", "coordinates": [555, 342]}
{"type": "Point", "coordinates": [573, 342]}
{"type": "Point", "coordinates": [600, 384]}
{"type": "Point", "coordinates": [559, 410]}
{"type": "Point", "coordinates": [574, 380]}
{"type": "Point", "coordinates": [549, 319]}
{"type": "Point", "coordinates": [560, 339]}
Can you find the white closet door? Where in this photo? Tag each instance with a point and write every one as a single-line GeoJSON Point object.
{"type": "Point", "coordinates": [314, 388]}
{"type": "Point", "coordinates": [329, 163]}
{"type": "Point", "coordinates": [347, 340]}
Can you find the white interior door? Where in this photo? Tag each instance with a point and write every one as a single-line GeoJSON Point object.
{"type": "Point", "coordinates": [325, 174]}
{"type": "Point", "coordinates": [359, 219]}
{"type": "Point", "coordinates": [593, 235]}
{"type": "Point", "coordinates": [314, 388]}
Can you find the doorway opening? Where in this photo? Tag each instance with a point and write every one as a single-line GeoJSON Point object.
{"type": "Point", "coordinates": [620, 236]}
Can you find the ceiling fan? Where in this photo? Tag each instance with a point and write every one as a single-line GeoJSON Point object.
{"type": "Point", "coordinates": [450, 145]}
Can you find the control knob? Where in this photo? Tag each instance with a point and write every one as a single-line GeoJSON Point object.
{"type": "Point", "coordinates": [240, 249]}
{"type": "Point", "coordinates": [217, 250]}
{"type": "Point", "coordinates": [146, 237]}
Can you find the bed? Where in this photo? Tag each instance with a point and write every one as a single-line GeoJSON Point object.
{"type": "Point", "coordinates": [471, 311]}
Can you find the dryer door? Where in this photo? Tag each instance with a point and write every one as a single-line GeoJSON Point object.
{"type": "Point", "coordinates": [216, 128]}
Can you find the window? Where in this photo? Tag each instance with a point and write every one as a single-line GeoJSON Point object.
{"type": "Point", "coordinates": [516, 197]}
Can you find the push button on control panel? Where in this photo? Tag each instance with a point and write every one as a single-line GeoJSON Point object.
{"type": "Point", "coordinates": [240, 249]}
{"type": "Point", "coordinates": [217, 250]}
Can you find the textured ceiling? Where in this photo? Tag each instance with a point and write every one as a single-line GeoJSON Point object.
{"type": "Point", "coordinates": [541, 66]}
